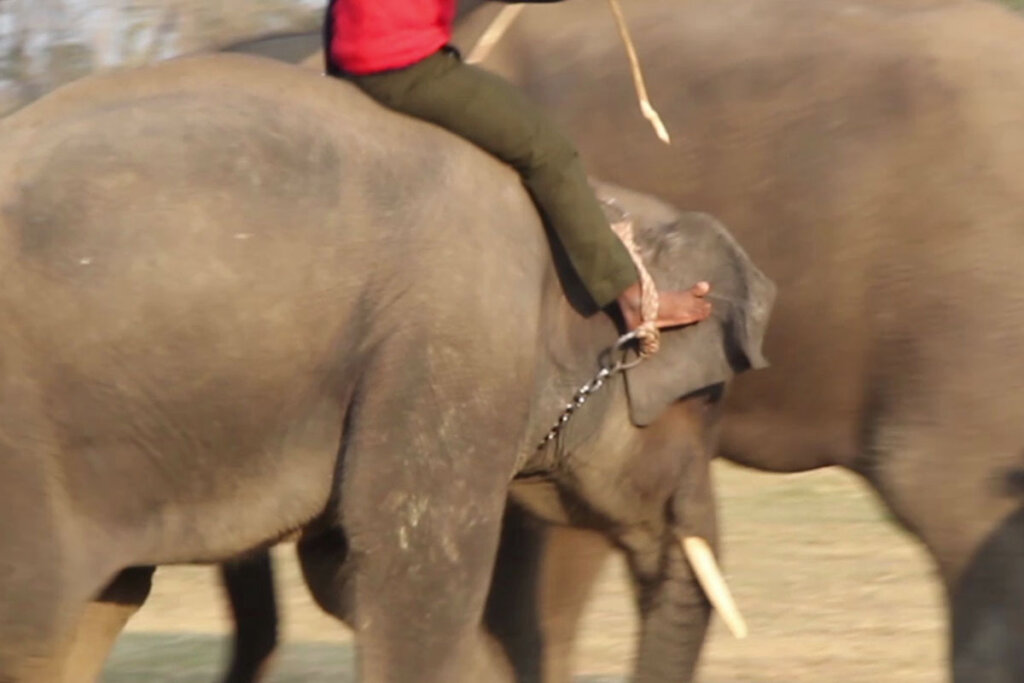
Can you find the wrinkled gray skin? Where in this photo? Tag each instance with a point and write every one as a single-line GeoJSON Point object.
{"type": "Point", "coordinates": [869, 156]}
{"type": "Point", "coordinates": [231, 313]}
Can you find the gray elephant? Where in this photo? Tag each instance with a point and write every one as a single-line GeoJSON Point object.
{"type": "Point", "coordinates": [241, 301]}
{"type": "Point", "coordinates": [868, 154]}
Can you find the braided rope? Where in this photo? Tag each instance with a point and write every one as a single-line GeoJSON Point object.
{"type": "Point", "coordinates": [647, 333]}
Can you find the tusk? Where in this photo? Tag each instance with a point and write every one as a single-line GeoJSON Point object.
{"type": "Point", "coordinates": [699, 554]}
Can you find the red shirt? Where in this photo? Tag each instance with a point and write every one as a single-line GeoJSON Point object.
{"type": "Point", "coordinates": [367, 36]}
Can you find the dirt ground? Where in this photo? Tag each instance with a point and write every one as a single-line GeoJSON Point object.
{"type": "Point", "coordinates": [832, 591]}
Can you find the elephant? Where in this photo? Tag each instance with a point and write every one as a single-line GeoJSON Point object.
{"type": "Point", "coordinates": [868, 155]}
{"type": "Point", "coordinates": [232, 315]}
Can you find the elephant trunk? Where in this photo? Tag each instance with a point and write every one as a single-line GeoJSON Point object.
{"type": "Point", "coordinates": [682, 583]}
{"type": "Point", "coordinates": [674, 614]}
{"type": "Point", "coordinates": [694, 517]}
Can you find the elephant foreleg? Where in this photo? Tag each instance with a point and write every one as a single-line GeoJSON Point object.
{"type": "Point", "coordinates": [543, 577]}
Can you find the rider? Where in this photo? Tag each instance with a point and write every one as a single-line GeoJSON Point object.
{"type": "Point", "coordinates": [397, 52]}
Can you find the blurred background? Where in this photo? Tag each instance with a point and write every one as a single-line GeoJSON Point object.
{"type": "Point", "coordinates": [816, 565]}
{"type": "Point", "coordinates": [44, 43]}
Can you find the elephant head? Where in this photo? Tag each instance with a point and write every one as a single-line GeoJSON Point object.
{"type": "Point", "coordinates": [636, 466]}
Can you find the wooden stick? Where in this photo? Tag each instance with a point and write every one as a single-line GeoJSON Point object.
{"type": "Point", "coordinates": [493, 33]}
{"type": "Point", "coordinates": [646, 108]}
{"type": "Point", "coordinates": [504, 19]}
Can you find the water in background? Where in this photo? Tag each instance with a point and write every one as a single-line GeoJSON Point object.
{"type": "Point", "coordinates": [44, 43]}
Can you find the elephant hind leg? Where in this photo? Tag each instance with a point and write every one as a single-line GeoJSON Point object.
{"type": "Point", "coordinates": [39, 613]}
{"type": "Point", "coordinates": [249, 583]}
{"type": "Point", "coordinates": [45, 582]}
{"type": "Point", "coordinates": [34, 630]}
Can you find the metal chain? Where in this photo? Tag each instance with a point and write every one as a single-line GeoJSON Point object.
{"type": "Point", "coordinates": [608, 368]}
{"type": "Point", "coordinates": [642, 335]}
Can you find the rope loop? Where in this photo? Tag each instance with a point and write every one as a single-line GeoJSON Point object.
{"type": "Point", "coordinates": [647, 333]}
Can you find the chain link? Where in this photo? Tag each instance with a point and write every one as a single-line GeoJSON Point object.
{"type": "Point", "coordinates": [608, 368]}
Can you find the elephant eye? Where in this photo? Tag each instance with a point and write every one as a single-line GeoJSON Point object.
{"type": "Point", "coordinates": [710, 395]}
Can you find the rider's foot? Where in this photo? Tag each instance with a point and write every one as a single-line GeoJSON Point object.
{"type": "Point", "coordinates": [675, 308]}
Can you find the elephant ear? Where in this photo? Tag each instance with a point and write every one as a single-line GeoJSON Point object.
{"type": "Point", "coordinates": [680, 249]}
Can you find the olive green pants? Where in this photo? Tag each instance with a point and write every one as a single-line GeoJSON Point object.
{"type": "Point", "coordinates": [494, 115]}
